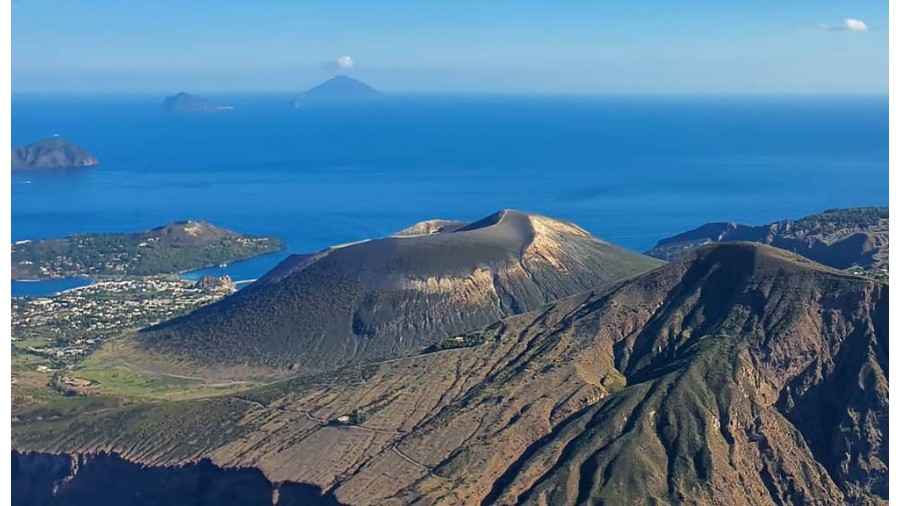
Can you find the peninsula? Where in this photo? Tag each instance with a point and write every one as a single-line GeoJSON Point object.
{"type": "Point", "coordinates": [176, 247]}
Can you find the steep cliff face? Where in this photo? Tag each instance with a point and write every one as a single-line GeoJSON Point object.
{"type": "Point", "coordinates": [103, 479]}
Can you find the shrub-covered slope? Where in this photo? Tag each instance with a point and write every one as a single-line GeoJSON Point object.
{"type": "Point", "coordinates": [740, 374]}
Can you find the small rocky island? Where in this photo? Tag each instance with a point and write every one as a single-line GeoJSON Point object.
{"type": "Point", "coordinates": [52, 153]}
{"type": "Point", "coordinates": [177, 247]}
{"type": "Point", "coordinates": [338, 89]}
{"type": "Point", "coordinates": [187, 103]}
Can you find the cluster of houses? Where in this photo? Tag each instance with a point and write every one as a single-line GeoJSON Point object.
{"type": "Point", "coordinates": [71, 323]}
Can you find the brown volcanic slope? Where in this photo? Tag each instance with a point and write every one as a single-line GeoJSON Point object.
{"type": "Point", "coordinates": [741, 374]}
{"type": "Point", "coordinates": [396, 295]}
{"type": "Point", "coordinates": [839, 238]}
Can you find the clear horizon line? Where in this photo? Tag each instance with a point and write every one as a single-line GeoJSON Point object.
{"type": "Point", "coordinates": [390, 93]}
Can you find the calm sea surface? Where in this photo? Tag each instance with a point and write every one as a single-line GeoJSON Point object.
{"type": "Point", "coordinates": [629, 169]}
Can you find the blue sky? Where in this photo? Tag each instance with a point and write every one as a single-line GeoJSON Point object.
{"type": "Point", "coordinates": [646, 46]}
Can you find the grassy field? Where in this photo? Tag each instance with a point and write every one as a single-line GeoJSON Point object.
{"type": "Point", "coordinates": [118, 369]}
{"type": "Point", "coordinates": [30, 385]}
{"type": "Point", "coordinates": [41, 381]}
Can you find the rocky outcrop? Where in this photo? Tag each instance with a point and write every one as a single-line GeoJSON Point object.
{"type": "Point", "coordinates": [216, 283]}
{"type": "Point", "coordinates": [429, 227]}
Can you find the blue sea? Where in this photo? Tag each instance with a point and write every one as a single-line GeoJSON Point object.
{"type": "Point", "coordinates": [631, 169]}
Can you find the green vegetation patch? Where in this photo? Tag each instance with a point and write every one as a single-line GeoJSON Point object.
{"type": "Point", "coordinates": [178, 247]}
{"type": "Point", "coordinates": [120, 371]}
{"type": "Point", "coordinates": [464, 341]}
{"type": "Point", "coordinates": [856, 217]}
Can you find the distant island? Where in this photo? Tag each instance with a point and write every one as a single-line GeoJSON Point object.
{"type": "Point", "coordinates": [185, 102]}
{"type": "Point", "coordinates": [177, 247]}
{"type": "Point", "coordinates": [52, 153]}
{"type": "Point", "coordinates": [339, 89]}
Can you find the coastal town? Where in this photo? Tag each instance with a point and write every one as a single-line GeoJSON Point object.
{"type": "Point", "coordinates": [65, 327]}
